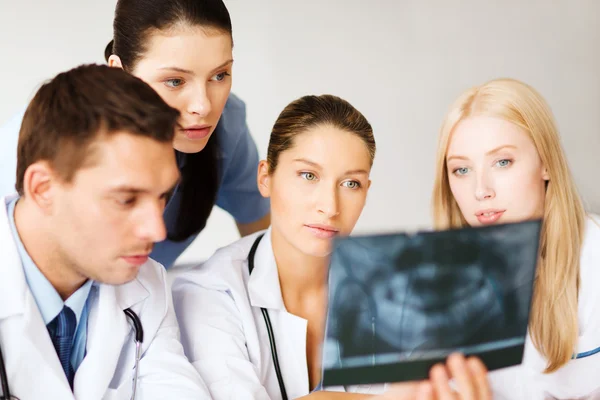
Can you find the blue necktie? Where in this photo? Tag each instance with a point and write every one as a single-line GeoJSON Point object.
{"type": "Point", "coordinates": [62, 330]}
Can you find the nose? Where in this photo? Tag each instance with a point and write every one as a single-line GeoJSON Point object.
{"type": "Point", "coordinates": [484, 187]}
{"type": "Point", "coordinates": [152, 225]}
{"type": "Point", "coordinates": [327, 201]}
{"type": "Point", "coordinates": [199, 102]}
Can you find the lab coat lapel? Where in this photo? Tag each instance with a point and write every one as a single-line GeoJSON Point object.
{"type": "Point", "coordinates": [108, 330]}
{"type": "Point", "coordinates": [289, 330]}
{"type": "Point", "coordinates": [37, 356]}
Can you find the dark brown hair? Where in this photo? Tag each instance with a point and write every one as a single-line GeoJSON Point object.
{"type": "Point", "coordinates": [135, 21]}
{"type": "Point", "coordinates": [311, 111]}
{"type": "Point", "coordinates": [69, 112]}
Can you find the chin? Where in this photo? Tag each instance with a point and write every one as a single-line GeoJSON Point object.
{"type": "Point", "coordinates": [190, 146]}
{"type": "Point", "coordinates": [120, 276]}
{"type": "Point", "coordinates": [317, 248]}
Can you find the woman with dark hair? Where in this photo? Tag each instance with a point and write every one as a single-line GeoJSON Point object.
{"type": "Point", "coordinates": [183, 49]}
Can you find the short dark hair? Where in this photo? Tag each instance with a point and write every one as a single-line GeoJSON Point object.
{"type": "Point", "coordinates": [70, 111]}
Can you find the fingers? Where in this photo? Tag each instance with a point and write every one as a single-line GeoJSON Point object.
{"type": "Point", "coordinates": [461, 373]}
{"type": "Point", "coordinates": [479, 374]}
{"type": "Point", "coordinates": [469, 375]}
{"type": "Point", "coordinates": [439, 380]}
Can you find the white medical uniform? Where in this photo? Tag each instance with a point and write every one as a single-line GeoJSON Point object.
{"type": "Point", "coordinates": [223, 331]}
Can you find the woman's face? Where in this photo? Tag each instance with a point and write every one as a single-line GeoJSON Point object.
{"type": "Point", "coordinates": [191, 69]}
{"type": "Point", "coordinates": [495, 172]}
{"type": "Point", "coordinates": [318, 189]}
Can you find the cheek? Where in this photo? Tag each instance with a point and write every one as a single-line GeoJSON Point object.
{"type": "Point", "coordinates": [285, 203]}
{"type": "Point", "coordinates": [525, 193]}
{"type": "Point", "coordinates": [462, 191]}
{"type": "Point", "coordinates": [351, 206]}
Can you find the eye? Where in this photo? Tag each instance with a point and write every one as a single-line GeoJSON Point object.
{"type": "Point", "coordinates": [504, 163]}
{"type": "Point", "coordinates": [126, 201]}
{"type": "Point", "coordinates": [352, 184]}
{"type": "Point", "coordinates": [460, 171]}
{"type": "Point", "coordinates": [174, 83]}
{"type": "Point", "coordinates": [309, 176]}
{"type": "Point", "coordinates": [220, 76]}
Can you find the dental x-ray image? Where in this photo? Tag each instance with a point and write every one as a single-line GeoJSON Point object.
{"type": "Point", "coordinates": [399, 303]}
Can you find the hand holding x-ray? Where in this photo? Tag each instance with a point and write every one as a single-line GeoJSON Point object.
{"type": "Point", "coordinates": [469, 378]}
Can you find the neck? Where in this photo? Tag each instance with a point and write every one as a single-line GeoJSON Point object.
{"type": "Point", "coordinates": [301, 276]}
{"type": "Point", "coordinates": [37, 240]}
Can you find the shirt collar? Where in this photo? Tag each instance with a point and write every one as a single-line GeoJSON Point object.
{"type": "Point", "coordinates": [264, 288]}
{"type": "Point", "coordinates": [46, 297]}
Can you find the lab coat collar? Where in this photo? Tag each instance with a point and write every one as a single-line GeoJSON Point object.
{"type": "Point", "coordinates": [108, 329]}
{"type": "Point", "coordinates": [13, 285]}
{"type": "Point", "coordinates": [263, 285]}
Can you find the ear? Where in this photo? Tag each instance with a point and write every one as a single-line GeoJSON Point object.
{"type": "Point", "coordinates": [369, 185]}
{"type": "Point", "coordinates": [264, 179]}
{"type": "Point", "coordinates": [39, 184]}
{"type": "Point", "coordinates": [115, 61]}
{"type": "Point", "coordinates": [545, 175]}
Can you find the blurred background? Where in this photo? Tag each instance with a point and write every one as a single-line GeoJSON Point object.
{"type": "Point", "coordinates": [400, 62]}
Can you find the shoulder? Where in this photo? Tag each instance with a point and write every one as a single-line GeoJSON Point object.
{"type": "Point", "coordinates": [235, 104]}
{"type": "Point", "coordinates": [590, 250]}
{"type": "Point", "coordinates": [591, 238]}
{"type": "Point", "coordinates": [592, 225]}
{"type": "Point", "coordinates": [226, 270]}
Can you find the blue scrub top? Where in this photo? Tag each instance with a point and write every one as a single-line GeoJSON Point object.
{"type": "Point", "coordinates": [238, 162]}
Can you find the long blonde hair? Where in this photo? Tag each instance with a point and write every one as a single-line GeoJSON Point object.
{"type": "Point", "coordinates": [553, 323]}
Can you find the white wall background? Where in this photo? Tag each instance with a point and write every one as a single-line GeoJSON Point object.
{"type": "Point", "coordinates": [401, 62]}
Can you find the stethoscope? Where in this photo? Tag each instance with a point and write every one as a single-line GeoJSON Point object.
{"type": "Point", "coordinates": [270, 332]}
{"type": "Point", "coordinates": [265, 314]}
{"type": "Point", "coordinates": [139, 339]}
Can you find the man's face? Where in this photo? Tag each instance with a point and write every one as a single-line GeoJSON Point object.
{"type": "Point", "coordinates": [111, 213]}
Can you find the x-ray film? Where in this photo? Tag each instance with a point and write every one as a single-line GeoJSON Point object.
{"type": "Point", "coordinates": [399, 303]}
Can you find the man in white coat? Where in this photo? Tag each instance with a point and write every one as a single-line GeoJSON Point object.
{"type": "Point", "coordinates": [95, 164]}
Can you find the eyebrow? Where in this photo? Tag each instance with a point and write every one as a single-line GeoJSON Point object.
{"type": "Point", "coordinates": [316, 165]}
{"type": "Point", "coordinates": [494, 150]}
{"type": "Point", "coordinates": [189, 72]}
{"type": "Point", "coordinates": [126, 189]}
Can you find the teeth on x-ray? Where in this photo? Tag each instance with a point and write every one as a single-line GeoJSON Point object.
{"type": "Point", "coordinates": [401, 302]}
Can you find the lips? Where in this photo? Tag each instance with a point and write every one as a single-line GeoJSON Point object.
{"type": "Point", "coordinates": [196, 132]}
{"type": "Point", "coordinates": [322, 231]}
{"type": "Point", "coordinates": [136, 260]}
{"type": "Point", "coordinates": [490, 216]}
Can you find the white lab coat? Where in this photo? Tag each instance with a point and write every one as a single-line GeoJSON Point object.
{"type": "Point", "coordinates": [106, 372]}
{"type": "Point", "coordinates": [223, 331]}
{"type": "Point", "coordinates": [579, 379]}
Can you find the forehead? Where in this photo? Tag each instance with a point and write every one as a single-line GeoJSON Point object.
{"type": "Point", "coordinates": [327, 143]}
{"type": "Point", "coordinates": [482, 133]}
{"type": "Point", "coordinates": [192, 48]}
{"type": "Point", "coordinates": [123, 158]}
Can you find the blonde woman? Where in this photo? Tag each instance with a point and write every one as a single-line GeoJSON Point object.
{"type": "Point", "coordinates": [500, 160]}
